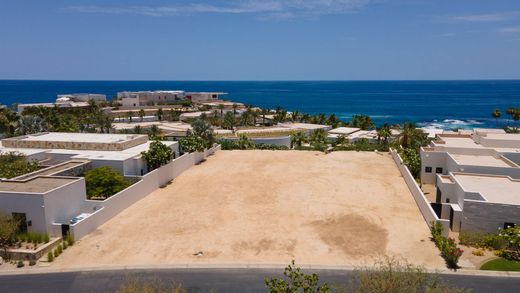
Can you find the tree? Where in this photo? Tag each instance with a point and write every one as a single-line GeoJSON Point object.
{"type": "Point", "coordinates": [138, 129]}
{"type": "Point", "coordinates": [13, 164]}
{"type": "Point", "coordinates": [297, 139]}
{"type": "Point", "coordinates": [229, 121]}
{"type": "Point", "coordinates": [318, 139]}
{"type": "Point", "coordinates": [174, 115]}
{"type": "Point", "coordinates": [104, 182]}
{"type": "Point", "coordinates": [142, 113]}
{"type": "Point", "coordinates": [496, 114]}
{"type": "Point", "coordinates": [8, 229]}
{"type": "Point", "coordinates": [29, 124]}
{"type": "Point", "coordinates": [235, 107]}
{"type": "Point", "coordinates": [129, 115]}
{"type": "Point", "coordinates": [296, 281]}
{"type": "Point", "coordinates": [192, 143]}
{"type": "Point", "coordinates": [384, 133]}
{"type": "Point", "coordinates": [154, 132]}
{"type": "Point", "coordinates": [221, 108]}
{"type": "Point", "coordinates": [157, 155]}
{"type": "Point", "coordinates": [511, 112]}
{"type": "Point", "coordinates": [411, 137]}
{"type": "Point", "coordinates": [412, 160]}
{"type": "Point", "coordinates": [160, 114]}
{"type": "Point", "coordinates": [362, 121]}
{"type": "Point", "coordinates": [244, 143]}
{"type": "Point", "coordinates": [202, 129]}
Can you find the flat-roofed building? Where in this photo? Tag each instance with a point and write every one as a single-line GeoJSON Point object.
{"type": "Point", "coordinates": [121, 151]}
{"type": "Point", "coordinates": [478, 202]}
{"type": "Point", "coordinates": [203, 97]}
{"type": "Point", "coordinates": [149, 98]}
{"type": "Point", "coordinates": [474, 178]}
{"type": "Point", "coordinates": [82, 97]}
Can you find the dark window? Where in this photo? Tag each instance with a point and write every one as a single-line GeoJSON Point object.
{"type": "Point", "coordinates": [509, 225]}
{"type": "Point", "coordinates": [447, 200]}
{"type": "Point", "coordinates": [438, 170]}
{"type": "Point", "coordinates": [428, 169]}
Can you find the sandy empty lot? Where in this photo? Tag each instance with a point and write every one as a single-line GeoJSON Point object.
{"type": "Point", "coordinates": [268, 207]}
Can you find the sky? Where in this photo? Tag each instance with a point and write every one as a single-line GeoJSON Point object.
{"type": "Point", "coordinates": [260, 39]}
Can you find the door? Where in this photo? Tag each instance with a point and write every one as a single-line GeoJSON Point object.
{"type": "Point", "coordinates": [21, 219]}
{"type": "Point", "coordinates": [65, 228]}
{"type": "Point", "coordinates": [451, 218]}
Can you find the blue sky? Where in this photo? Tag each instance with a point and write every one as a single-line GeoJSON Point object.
{"type": "Point", "coordinates": [260, 40]}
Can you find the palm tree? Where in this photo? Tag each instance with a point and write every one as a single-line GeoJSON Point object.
{"type": "Point", "coordinates": [129, 114]}
{"type": "Point", "coordinates": [154, 132]}
{"type": "Point", "coordinates": [30, 124]}
{"type": "Point", "coordinates": [511, 112]}
{"type": "Point", "coordinates": [235, 107]}
{"type": "Point", "coordinates": [496, 114]}
{"type": "Point", "coordinates": [384, 133]}
{"type": "Point", "coordinates": [295, 116]}
{"type": "Point", "coordinates": [516, 117]}
{"type": "Point", "coordinates": [297, 139]}
{"type": "Point", "coordinates": [264, 112]}
{"type": "Point", "coordinates": [221, 108]}
{"type": "Point", "coordinates": [160, 114]}
{"type": "Point", "coordinates": [142, 113]}
{"type": "Point", "coordinates": [255, 114]}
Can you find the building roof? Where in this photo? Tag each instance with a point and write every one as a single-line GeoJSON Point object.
{"type": "Point", "coordinates": [35, 184]}
{"type": "Point", "coordinates": [495, 189]}
{"type": "Point", "coordinates": [303, 126]}
{"type": "Point", "coordinates": [344, 130]}
{"type": "Point", "coordinates": [482, 160]}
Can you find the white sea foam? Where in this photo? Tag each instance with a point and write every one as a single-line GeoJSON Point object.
{"type": "Point", "coordinates": [451, 124]}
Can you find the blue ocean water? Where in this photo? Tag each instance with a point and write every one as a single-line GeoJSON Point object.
{"type": "Point", "coordinates": [444, 104]}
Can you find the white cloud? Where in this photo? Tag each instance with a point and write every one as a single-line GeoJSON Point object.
{"type": "Point", "coordinates": [513, 29]}
{"type": "Point", "coordinates": [484, 18]}
{"type": "Point", "coordinates": [276, 9]}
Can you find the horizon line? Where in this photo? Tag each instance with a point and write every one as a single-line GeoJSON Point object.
{"type": "Point", "coordinates": [265, 80]}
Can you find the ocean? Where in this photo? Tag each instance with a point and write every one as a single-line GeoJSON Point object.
{"type": "Point", "coordinates": [440, 104]}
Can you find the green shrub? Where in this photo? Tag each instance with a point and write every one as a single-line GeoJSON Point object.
{"type": "Point", "coordinates": [50, 256]}
{"type": "Point", "coordinates": [56, 253]}
{"type": "Point", "coordinates": [32, 262]}
{"type": "Point", "coordinates": [20, 264]}
{"type": "Point", "coordinates": [69, 239]}
{"type": "Point", "coordinates": [449, 250]}
{"type": "Point", "coordinates": [60, 249]}
{"type": "Point", "coordinates": [46, 238]}
{"type": "Point", "coordinates": [65, 245]}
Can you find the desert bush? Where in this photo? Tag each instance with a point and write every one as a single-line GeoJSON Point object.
{"type": "Point", "coordinates": [32, 262]}
{"type": "Point", "coordinates": [295, 280]}
{"type": "Point", "coordinates": [50, 256]}
{"type": "Point", "coordinates": [56, 253]}
{"type": "Point", "coordinates": [135, 285]}
{"type": "Point", "coordinates": [69, 239]}
{"type": "Point", "coordinates": [60, 249]}
{"type": "Point", "coordinates": [20, 264]}
{"type": "Point", "coordinates": [478, 252]}
{"type": "Point", "coordinates": [65, 245]}
{"type": "Point", "coordinates": [391, 275]}
{"type": "Point", "coordinates": [46, 238]}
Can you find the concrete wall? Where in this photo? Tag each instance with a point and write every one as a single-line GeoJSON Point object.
{"type": "Point", "coordinates": [107, 209]}
{"type": "Point", "coordinates": [62, 204]}
{"type": "Point", "coordinates": [422, 202]}
{"type": "Point", "coordinates": [30, 204]}
{"type": "Point", "coordinates": [281, 140]}
{"type": "Point", "coordinates": [488, 217]}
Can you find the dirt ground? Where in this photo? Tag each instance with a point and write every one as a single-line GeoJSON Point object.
{"type": "Point", "coordinates": [268, 207]}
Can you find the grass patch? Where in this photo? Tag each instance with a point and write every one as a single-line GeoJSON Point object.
{"type": "Point", "coordinates": [501, 264]}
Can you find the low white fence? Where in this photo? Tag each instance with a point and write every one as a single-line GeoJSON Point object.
{"type": "Point", "coordinates": [422, 202]}
{"type": "Point", "coordinates": [107, 209]}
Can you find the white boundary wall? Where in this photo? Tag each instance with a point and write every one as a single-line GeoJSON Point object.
{"type": "Point", "coordinates": [422, 202]}
{"type": "Point", "coordinates": [107, 209]}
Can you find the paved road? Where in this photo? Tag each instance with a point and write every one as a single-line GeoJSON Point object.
{"type": "Point", "coordinates": [203, 280]}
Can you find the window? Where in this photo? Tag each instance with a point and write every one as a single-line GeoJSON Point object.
{"type": "Point", "coordinates": [428, 169]}
{"type": "Point", "coordinates": [438, 170]}
{"type": "Point", "coordinates": [509, 225]}
{"type": "Point", "coordinates": [447, 200]}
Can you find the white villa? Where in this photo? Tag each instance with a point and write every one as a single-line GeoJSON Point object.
{"type": "Point", "coordinates": [53, 199]}
{"type": "Point", "coordinates": [161, 97]}
{"type": "Point", "coordinates": [67, 101]}
{"type": "Point", "coordinates": [474, 178]}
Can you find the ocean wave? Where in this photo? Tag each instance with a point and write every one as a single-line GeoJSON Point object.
{"type": "Point", "coordinates": [451, 124]}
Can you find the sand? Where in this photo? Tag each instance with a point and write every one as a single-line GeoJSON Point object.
{"type": "Point", "coordinates": [268, 207]}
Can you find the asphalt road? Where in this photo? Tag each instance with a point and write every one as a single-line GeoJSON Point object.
{"type": "Point", "coordinates": [204, 280]}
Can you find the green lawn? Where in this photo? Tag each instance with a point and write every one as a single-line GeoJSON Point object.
{"type": "Point", "coordinates": [501, 264]}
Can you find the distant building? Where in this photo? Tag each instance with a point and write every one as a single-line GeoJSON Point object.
{"type": "Point", "coordinates": [203, 97]}
{"type": "Point", "coordinates": [149, 98]}
{"type": "Point", "coordinates": [67, 101]}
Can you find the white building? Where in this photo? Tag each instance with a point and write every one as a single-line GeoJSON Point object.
{"type": "Point", "coordinates": [474, 178]}
{"type": "Point", "coordinates": [82, 97]}
{"type": "Point", "coordinates": [67, 101]}
{"type": "Point", "coordinates": [52, 199]}
{"type": "Point", "coordinates": [203, 97]}
{"type": "Point", "coordinates": [149, 98]}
